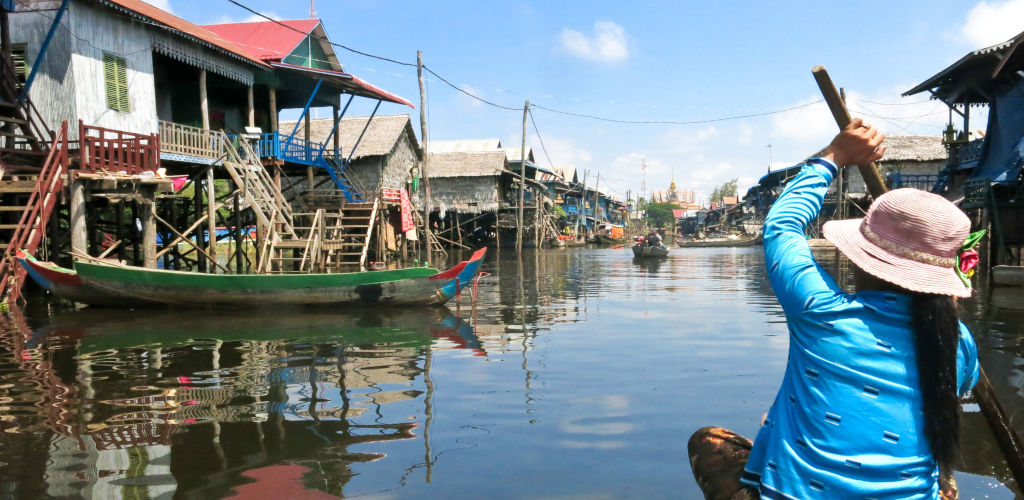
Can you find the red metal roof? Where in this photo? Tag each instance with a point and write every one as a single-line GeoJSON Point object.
{"type": "Point", "coordinates": [268, 40]}
{"type": "Point", "coordinates": [148, 12]}
{"type": "Point", "coordinates": [347, 82]}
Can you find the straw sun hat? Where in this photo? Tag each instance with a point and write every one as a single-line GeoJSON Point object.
{"type": "Point", "coordinates": [910, 238]}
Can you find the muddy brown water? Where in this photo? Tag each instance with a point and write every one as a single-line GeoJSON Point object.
{"type": "Point", "coordinates": [578, 374]}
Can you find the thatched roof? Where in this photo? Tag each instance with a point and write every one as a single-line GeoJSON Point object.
{"type": "Point", "coordinates": [467, 164]}
{"type": "Point", "coordinates": [514, 154]}
{"type": "Point", "coordinates": [904, 147]}
{"type": "Point", "coordinates": [464, 145]}
{"type": "Point", "coordinates": [568, 172]}
{"type": "Point", "coordinates": [379, 140]}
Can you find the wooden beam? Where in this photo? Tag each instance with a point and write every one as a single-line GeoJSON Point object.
{"type": "Point", "coordinates": [186, 240]}
{"type": "Point", "coordinates": [204, 104]}
{"type": "Point", "coordinates": [252, 106]}
{"type": "Point", "coordinates": [273, 109]}
{"type": "Point", "coordinates": [211, 214]}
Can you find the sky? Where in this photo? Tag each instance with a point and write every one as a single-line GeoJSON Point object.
{"type": "Point", "coordinates": [663, 61]}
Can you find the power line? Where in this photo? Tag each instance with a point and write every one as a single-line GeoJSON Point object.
{"type": "Point", "coordinates": [673, 122]}
{"type": "Point", "coordinates": [541, 139]}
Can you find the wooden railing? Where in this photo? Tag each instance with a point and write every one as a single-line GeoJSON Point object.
{"type": "Point", "coordinates": [186, 140]}
{"type": "Point", "coordinates": [117, 151]}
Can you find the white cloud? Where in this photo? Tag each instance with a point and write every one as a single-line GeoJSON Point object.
{"type": "Point", "coordinates": [563, 151]}
{"type": "Point", "coordinates": [608, 44]}
{"type": "Point", "coordinates": [469, 89]}
{"type": "Point", "coordinates": [989, 23]}
{"type": "Point", "coordinates": [164, 5]}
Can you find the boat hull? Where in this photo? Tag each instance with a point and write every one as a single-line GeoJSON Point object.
{"type": "Point", "coordinates": [645, 251]}
{"type": "Point", "coordinates": [103, 284]}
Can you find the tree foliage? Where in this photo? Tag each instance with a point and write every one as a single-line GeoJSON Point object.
{"type": "Point", "coordinates": [660, 214]}
{"type": "Point", "coordinates": [727, 189]}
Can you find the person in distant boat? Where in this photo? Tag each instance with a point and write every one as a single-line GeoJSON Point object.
{"type": "Point", "coordinates": [653, 239]}
{"type": "Point", "coordinates": [869, 404]}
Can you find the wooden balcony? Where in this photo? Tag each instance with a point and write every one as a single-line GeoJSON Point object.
{"type": "Point", "coordinates": [109, 150]}
{"type": "Point", "coordinates": [188, 141]}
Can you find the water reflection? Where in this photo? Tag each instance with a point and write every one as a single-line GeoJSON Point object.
{"type": "Point", "coordinates": [111, 394]}
{"type": "Point", "coordinates": [570, 362]}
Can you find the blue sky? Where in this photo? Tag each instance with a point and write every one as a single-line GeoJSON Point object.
{"type": "Point", "coordinates": [653, 61]}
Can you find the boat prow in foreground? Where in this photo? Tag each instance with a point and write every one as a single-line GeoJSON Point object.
{"type": "Point", "coordinates": [106, 284]}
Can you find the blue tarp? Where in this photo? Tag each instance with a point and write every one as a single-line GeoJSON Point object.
{"type": "Point", "coordinates": [1003, 153]}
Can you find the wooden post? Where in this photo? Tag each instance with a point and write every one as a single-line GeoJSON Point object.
{"type": "Point", "coordinates": [137, 258]}
{"type": "Point", "coordinates": [197, 212]}
{"type": "Point", "coordinates": [147, 214]}
{"type": "Point", "coordinates": [211, 215]}
{"type": "Point", "coordinates": [251, 109]}
{"type": "Point", "coordinates": [204, 105]}
{"type": "Point", "coordinates": [537, 222]}
{"type": "Point", "coordinates": [522, 182]}
{"type": "Point", "coordinates": [273, 108]}
{"type": "Point", "coordinates": [424, 167]}
{"type": "Point", "coordinates": [79, 237]}
{"type": "Point", "coordinates": [239, 251]}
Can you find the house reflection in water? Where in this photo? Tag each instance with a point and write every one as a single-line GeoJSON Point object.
{"type": "Point", "coordinates": [146, 404]}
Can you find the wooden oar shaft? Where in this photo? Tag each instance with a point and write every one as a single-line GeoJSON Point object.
{"type": "Point", "coordinates": [993, 411]}
{"type": "Point", "coordinates": [869, 172]}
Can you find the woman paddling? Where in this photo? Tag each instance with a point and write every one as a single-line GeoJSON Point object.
{"type": "Point", "coordinates": [869, 404]}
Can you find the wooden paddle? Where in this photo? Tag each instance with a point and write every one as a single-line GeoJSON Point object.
{"type": "Point", "coordinates": [996, 417]}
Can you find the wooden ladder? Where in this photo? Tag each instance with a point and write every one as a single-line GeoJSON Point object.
{"type": "Point", "coordinates": [23, 133]}
{"type": "Point", "coordinates": [35, 215]}
{"type": "Point", "coordinates": [304, 253]}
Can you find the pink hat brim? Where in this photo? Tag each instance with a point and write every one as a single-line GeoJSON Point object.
{"type": "Point", "coordinates": [884, 265]}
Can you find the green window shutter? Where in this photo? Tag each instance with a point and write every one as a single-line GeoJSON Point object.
{"type": "Point", "coordinates": [20, 62]}
{"type": "Point", "coordinates": [115, 82]}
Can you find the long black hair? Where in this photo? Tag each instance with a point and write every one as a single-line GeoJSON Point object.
{"type": "Point", "coordinates": [936, 336]}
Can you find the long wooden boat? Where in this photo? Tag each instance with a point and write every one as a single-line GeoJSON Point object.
{"type": "Point", "coordinates": [105, 284]}
{"type": "Point", "coordinates": [720, 243]}
{"type": "Point", "coordinates": [643, 250]}
{"type": "Point", "coordinates": [604, 239]}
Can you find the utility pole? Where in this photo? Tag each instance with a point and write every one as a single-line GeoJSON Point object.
{"type": "Point", "coordinates": [769, 158]}
{"type": "Point", "coordinates": [522, 183]}
{"type": "Point", "coordinates": [424, 172]}
{"type": "Point", "coordinates": [312, 9]}
{"type": "Point", "coordinates": [643, 177]}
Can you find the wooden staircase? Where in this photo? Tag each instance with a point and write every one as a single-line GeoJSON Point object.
{"type": "Point", "coordinates": [23, 134]}
{"type": "Point", "coordinates": [28, 233]}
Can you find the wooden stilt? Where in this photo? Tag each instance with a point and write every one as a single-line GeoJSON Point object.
{"type": "Point", "coordinates": [204, 104]}
{"type": "Point", "coordinates": [79, 236]}
{"type": "Point", "coordinates": [211, 216]}
{"type": "Point", "coordinates": [197, 210]}
{"type": "Point", "coordinates": [136, 236]}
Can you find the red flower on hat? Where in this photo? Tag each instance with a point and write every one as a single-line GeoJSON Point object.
{"type": "Point", "coordinates": [968, 259]}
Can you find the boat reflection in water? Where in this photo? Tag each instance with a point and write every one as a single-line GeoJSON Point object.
{"type": "Point", "coordinates": [221, 399]}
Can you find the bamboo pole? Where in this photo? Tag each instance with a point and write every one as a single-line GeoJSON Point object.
{"type": "Point", "coordinates": [993, 411]}
{"type": "Point", "coordinates": [211, 216]}
{"type": "Point", "coordinates": [522, 183]}
{"type": "Point", "coordinates": [424, 170]}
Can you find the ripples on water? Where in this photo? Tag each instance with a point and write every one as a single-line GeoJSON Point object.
{"type": "Point", "coordinates": [579, 374]}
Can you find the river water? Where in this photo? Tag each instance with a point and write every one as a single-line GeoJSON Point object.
{"type": "Point", "coordinates": [578, 374]}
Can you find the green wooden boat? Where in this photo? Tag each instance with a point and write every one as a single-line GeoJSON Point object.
{"type": "Point", "coordinates": [107, 284]}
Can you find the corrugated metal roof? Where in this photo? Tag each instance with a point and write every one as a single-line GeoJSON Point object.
{"type": "Point", "coordinates": [464, 145]}
{"type": "Point", "coordinates": [149, 13]}
{"type": "Point", "coordinates": [346, 82]}
{"type": "Point", "coordinates": [988, 58]}
{"type": "Point", "coordinates": [267, 40]}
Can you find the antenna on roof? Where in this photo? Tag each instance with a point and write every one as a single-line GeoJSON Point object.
{"type": "Point", "coordinates": [312, 9]}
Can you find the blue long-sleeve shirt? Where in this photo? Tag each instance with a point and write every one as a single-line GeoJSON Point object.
{"type": "Point", "coordinates": [848, 421]}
